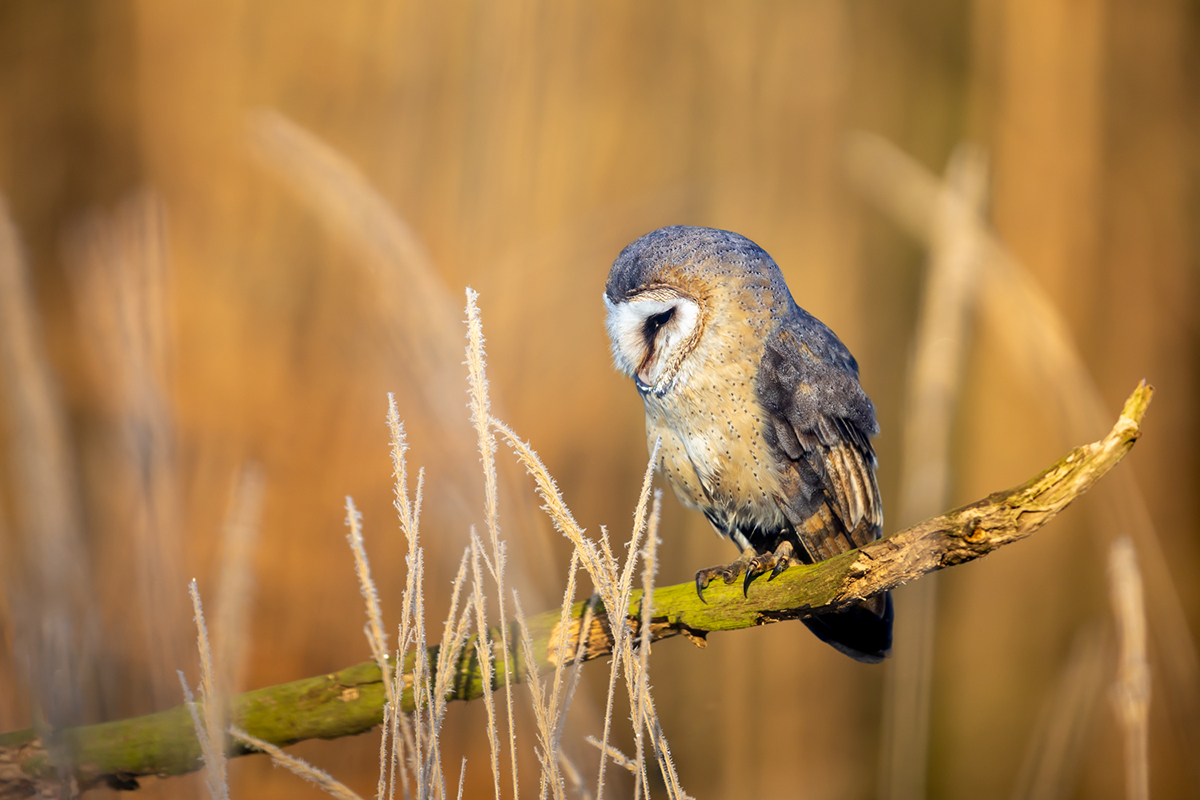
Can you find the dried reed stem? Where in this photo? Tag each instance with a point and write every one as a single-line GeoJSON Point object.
{"type": "Point", "coordinates": [934, 385]}
{"type": "Point", "coordinates": [1064, 726]}
{"type": "Point", "coordinates": [607, 751]}
{"type": "Point", "coordinates": [49, 584]}
{"type": "Point", "coordinates": [119, 274]}
{"type": "Point", "coordinates": [1131, 692]}
{"type": "Point", "coordinates": [208, 716]}
{"type": "Point", "coordinates": [409, 513]}
{"type": "Point", "coordinates": [480, 416]}
{"type": "Point", "coordinates": [414, 302]}
{"type": "Point", "coordinates": [615, 591]}
{"type": "Point", "coordinates": [385, 759]}
{"type": "Point", "coordinates": [323, 780]}
{"type": "Point", "coordinates": [553, 504]}
{"type": "Point", "coordinates": [484, 653]}
{"type": "Point", "coordinates": [236, 578]}
{"type": "Point", "coordinates": [362, 568]}
{"type": "Point", "coordinates": [546, 757]}
{"type": "Point", "coordinates": [462, 776]}
{"type": "Point", "coordinates": [641, 691]}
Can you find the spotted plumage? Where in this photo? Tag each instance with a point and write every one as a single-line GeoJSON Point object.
{"type": "Point", "coordinates": [764, 426]}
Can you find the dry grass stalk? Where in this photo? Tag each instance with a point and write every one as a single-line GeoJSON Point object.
{"type": "Point", "coordinates": [454, 636]}
{"type": "Point", "coordinates": [641, 691]}
{"type": "Point", "coordinates": [562, 688]}
{"type": "Point", "coordinates": [637, 671]}
{"type": "Point", "coordinates": [409, 513]}
{"type": "Point", "coordinates": [50, 591]}
{"type": "Point", "coordinates": [419, 677]}
{"type": "Point", "coordinates": [362, 568]}
{"type": "Point", "coordinates": [480, 416]}
{"type": "Point", "coordinates": [550, 708]}
{"type": "Point", "coordinates": [616, 594]}
{"type": "Point", "coordinates": [610, 586]}
{"type": "Point", "coordinates": [436, 687]}
{"type": "Point", "coordinates": [943, 333]}
{"type": "Point", "coordinates": [589, 556]}
{"type": "Point", "coordinates": [1059, 738]}
{"type": "Point", "coordinates": [484, 650]}
{"type": "Point", "coordinates": [427, 769]}
{"type": "Point", "coordinates": [414, 744]}
{"type": "Point", "coordinates": [404, 506]}
{"type": "Point", "coordinates": [236, 577]}
{"type": "Point", "coordinates": [572, 683]}
{"type": "Point", "coordinates": [119, 274]}
{"type": "Point", "coordinates": [414, 302]}
{"type": "Point", "coordinates": [573, 776]}
{"type": "Point", "coordinates": [934, 385]}
{"type": "Point", "coordinates": [323, 780]}
{"type": "Point", "coordinates": [386, 762]}
{"type": "Point", "coordinates": [208, 716]}
{"type": "Point", "coordinates": [607, 752]}
{"type": "Point", "coordinates": [1131, 692]}
{"type": "Point", "coordinates": [562, 646]}
{"type": "Point", "coordinates": [462, 775]}
{"type": "Point", "coordinates": [547, 757]}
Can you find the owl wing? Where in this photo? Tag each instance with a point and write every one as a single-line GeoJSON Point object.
{"type": "Point", "coordinates": [819, 424]}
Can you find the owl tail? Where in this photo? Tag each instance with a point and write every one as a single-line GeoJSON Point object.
{"type": "Point", "coordinates": [863, 632]}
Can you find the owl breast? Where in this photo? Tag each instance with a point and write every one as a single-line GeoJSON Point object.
{"type": "Point", "coordinates": [714, 453]}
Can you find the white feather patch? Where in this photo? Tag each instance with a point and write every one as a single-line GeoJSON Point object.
{"type": "Point", "coordinates": [626, 323]}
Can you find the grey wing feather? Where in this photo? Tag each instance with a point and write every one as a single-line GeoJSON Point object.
{"type": "Point", "coordinates": [821, 422]}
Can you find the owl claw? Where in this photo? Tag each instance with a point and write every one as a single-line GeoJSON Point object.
{"type": "Point", "coordinates": [780, 566]}
{"type": "Point", "coordinates": [728, 572]}
{"type": "Point", "coordinates": [775, 562]}
{"type": "Point", "coordinates": [757, 566]}
{"type": "Point", "coordinates": [750, 575]}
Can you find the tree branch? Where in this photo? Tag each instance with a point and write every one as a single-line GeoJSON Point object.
{"type": "Point", "coordinates": [351, 701]}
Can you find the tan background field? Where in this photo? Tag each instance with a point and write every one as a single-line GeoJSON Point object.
{"type": "Point", "coordinates": [523, 144]}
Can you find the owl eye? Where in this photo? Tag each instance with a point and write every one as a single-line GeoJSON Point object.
{"type": "Point", "coordinates": [656, 321]}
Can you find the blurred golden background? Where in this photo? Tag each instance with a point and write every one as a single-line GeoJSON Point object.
{"type": "Point", "coordinates": [245, 223]}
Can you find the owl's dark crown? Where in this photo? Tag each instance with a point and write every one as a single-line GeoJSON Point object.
{"type": "Point", "coordinates": [664, 254]}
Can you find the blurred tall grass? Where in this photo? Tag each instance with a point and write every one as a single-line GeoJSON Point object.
{"type": "Point", "coordinates": [521, 146]}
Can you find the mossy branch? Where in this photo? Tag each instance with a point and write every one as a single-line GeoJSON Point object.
{"type": "Point", "coordinates": [351, 701]}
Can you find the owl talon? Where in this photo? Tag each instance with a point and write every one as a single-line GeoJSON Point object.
{"type": "Point", "coordinates": [757, 566]}
{"type": "Point", "coordinates": [751, 574]}
{"type": "Point", "coordinates": [728, 572]}
{"type": "Point", "coordinates": [773, 562]}
{"type": "Point", "coordinates": [780, 566]}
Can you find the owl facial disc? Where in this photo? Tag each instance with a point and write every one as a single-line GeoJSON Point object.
{"type": "Point", "coordinates": [651, 333]}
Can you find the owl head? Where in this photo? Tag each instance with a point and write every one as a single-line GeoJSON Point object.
{"type": "Point", "coordinates": [662, 292]}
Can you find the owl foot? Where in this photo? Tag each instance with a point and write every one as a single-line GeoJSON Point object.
{"type": "Point", "coordinates": [776, 562]}
{"type": "Point", "coordinates": [728, 573]}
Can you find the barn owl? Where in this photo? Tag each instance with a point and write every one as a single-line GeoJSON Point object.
{"type": "Point", "coordinates": [764, 425]}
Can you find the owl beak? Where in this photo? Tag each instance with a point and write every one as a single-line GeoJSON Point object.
{"type": "Point", "coordinates": [642, 387]}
